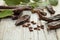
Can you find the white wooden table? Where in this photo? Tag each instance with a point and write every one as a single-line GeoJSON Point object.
{"type": "Point", "coordinates": [8, 30]}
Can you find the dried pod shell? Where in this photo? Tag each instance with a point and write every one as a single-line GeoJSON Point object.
{"type": "Point", "coordinates": [22, 20]}
{"type": "Point", "coordinates": [50, 9]}
{"type": "Point", "coordinates": [54, 25]}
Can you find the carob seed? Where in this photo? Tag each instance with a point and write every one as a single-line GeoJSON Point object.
{"type": "Point", "coordinates": [42, 26]}
{"type": "Point", "coordinates": [28, 25]}
{"type": "Point", "coordinates": [56, 17]}
{"type": "Point", "coordinates": [35, 28]}
{"type": "Point", "coordinates": [33, 22]}
{"type": "Point", "coordinates": [38, 26]}
{"type": "Point", "coordinates": [30, 29]}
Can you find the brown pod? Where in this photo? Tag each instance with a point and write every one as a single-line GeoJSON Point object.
{"type": "Point", "coordinates": [41, 17]}
{"type": "Point", "coordinates": [50, 9]}
{"type": "Point", "coordinates": [54, 25]}
{"type": "Point", "coordinates": [18, 12]}
{"type": "Point", "coordinates": [22, 20]}
{"type": "Point", "coordinates": [56, 17]}
{"type": "Point", "coordinates": [15, 7]}
{"type": "Point", "coordinates": [43, 13]}
{"type": "Point", "coordinates": [40, 11]}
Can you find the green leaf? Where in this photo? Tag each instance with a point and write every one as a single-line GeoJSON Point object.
{"type": "Point", "coordinates": [6, 13]}
{"type": "Point", "coordinates": [12, 2]}
{"type": "Point", "coordinates": [25, 1]}
{"type": "Point", "coordinates": [53, 2]}
{"type": "Point", "coordinates": [33, 5]}
{"type": "Point", "coordinates": [15, 2]}
{"type": "Point", "coordinates": [45, 3]}
{"type": "Point", "coordinates": [36, 0]}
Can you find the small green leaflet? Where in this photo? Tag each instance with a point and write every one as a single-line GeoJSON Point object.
{"type": "Point", "coordinates": [34, 5]}
{"type": "Point", "coordinates": [53, 2]}
{"type": "Point", "coordinates": [15, 2]}
{"type": "Point", "coordinates": [12, 2]}
{"type": "Point", "coordinates": [6, 13]}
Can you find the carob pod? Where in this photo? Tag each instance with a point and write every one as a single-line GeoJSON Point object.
{"type": "Point", "coordinates": [54, 25]}
{"type": "Point", "coordinates": [21, 8]}
{"type": "Point", "coordinates": [22, 20]}
{"type": "Point", "coordinates": [56, 17]}
{"type": "Point", "coordinates": [50, 9]}
{"type": "Point", "coordinates": [16, 7]}
{"type": "Point", "coordinates": [40, 10]}
{"type": "Point", "coordinates": [17, 13]}
{"type": "Point", "coordinates": [42, 17]}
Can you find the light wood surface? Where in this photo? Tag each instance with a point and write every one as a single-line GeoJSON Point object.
{"type": "Point", "coordinates": [8, 30]}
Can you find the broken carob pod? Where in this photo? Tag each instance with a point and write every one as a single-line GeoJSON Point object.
{"type": "Point", "coordinates": [16, 14]}
{"type": "Point", "coordinates": [53, 25]}
{"type": "Point", "coordinates": [50, 9]}
{"type": "Point", "coordinates": [21, 20]}
{"type": "Point", "coordinates": [42, 17]}
{"type": "Point", "coordinates": [40, 10]}
{"type": "Point", "coordinates": [17, 11]}
{"type": "Point", "coordinates": [56, 17]}
{"type": "Point", "coordinates": [43, 13]}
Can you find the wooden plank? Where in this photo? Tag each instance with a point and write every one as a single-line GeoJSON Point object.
{"type": "Point", "coordinates": [50, 35]}
{"type": "Point", "coordinates": [11, 32]}
{"type": "Point", "coordinates": [58, 33]}
{"type": "Point", "coordinates": [57, 9]}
